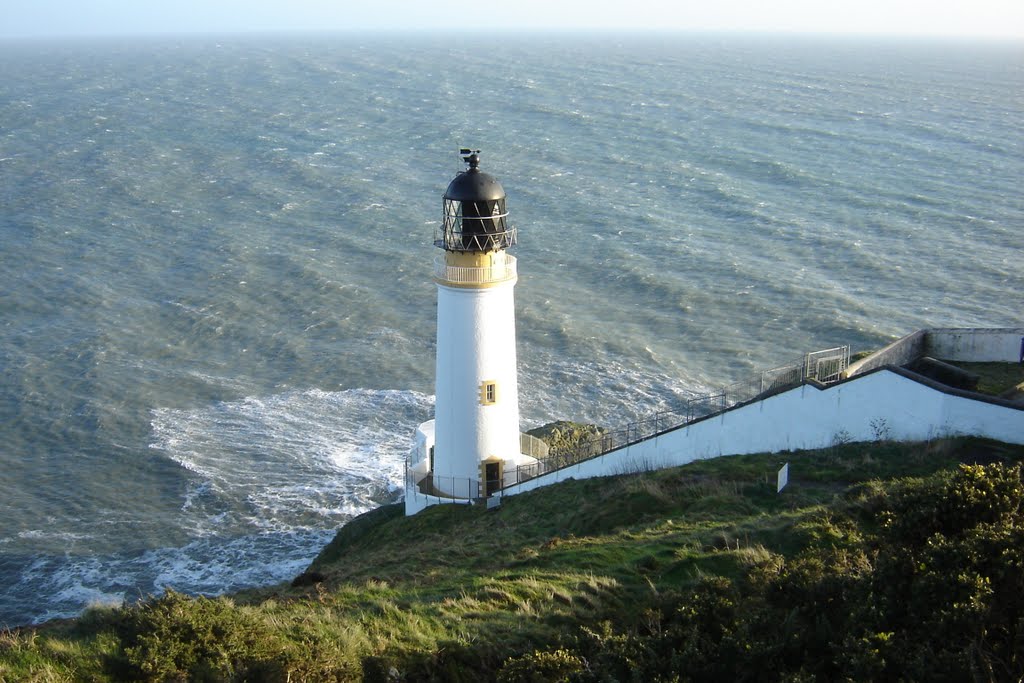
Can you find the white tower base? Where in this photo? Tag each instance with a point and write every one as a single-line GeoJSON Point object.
{"type": "Point", "coordinates": [477, 406]}
{"type": "Point", "coordinates": [420, 490]}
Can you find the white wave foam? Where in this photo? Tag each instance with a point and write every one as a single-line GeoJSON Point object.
{"type": "Point", "coordinates": [78, 593]}
{"type": "Point", "coordinates": [205, 566]}
{"type": "Point", "coordinates": [292, 460]}
{"type": "Point", "coordinates": [49, 535]}
{"type": "Point", "coordinates": [271, 479]}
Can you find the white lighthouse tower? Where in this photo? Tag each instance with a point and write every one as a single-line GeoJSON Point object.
{"type": "Point", "coordinates": [472, 447]}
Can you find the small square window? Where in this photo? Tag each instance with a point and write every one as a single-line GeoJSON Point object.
{"type": "Point", "coordinates": [489, 393]}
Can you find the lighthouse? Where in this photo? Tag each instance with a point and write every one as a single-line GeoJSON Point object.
{"type": "Point", "coordinates": [472, 447]}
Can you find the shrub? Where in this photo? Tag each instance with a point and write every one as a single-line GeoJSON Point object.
{"type": "Point", "coordinates": [950, 504]}
{"type": "Point", "coordinates": [556, 666]}
{"type": "Point", "coordinates": [177, 638]}
{"type": "Point", "coordinates": [934, 592]}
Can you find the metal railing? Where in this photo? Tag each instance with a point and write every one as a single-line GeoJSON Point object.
{"type": "Point", "coordinates": [827, 365]}
{"type": "Point", "coordinates": [824, 366]}
{"type": "Point", "coordinates": [472, 275]}
{"type": "Point", "coordinates": [457, 240]}
{"type": "Point", "coordinates": [417, 484]}
{"type": "Point", "coordinates": [533, 447]}
{"type": "Point", "coordinates": [475, 226]}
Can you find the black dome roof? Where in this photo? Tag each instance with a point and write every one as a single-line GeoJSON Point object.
{"type": "Point", "coordinates": [474, 185]}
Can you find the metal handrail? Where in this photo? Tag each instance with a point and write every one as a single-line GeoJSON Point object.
{"type": "Point", "coordinates": [454, 213]}
{"type": "Point", "coordinates": [695, 408]}
{"type": "Point", "coordinates": [533, 447]}
{"type": "Point", "coordinates": [434, 486]}
{"type": "Point", "coordinates": [475, 275]}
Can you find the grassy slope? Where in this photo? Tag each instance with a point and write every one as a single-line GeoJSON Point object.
{"type": "Point", "coordinates": [995, 378]}
{"type": "Point", "coordinates": [454, 591]}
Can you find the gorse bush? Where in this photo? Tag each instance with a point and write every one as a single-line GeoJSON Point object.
{"type": "Point", "coordinates": [954, 503]}
{"type": "Point", "coordinates": [175, 637]}
{"type": "Point", "coordinates": [935, 593]}
{"type": "Point", "coordinates": [556, 666]}
{"type": "Point", "coordinates": [949, 575]}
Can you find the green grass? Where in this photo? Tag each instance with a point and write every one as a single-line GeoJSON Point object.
{"type": "Point", "coordinates": [455, 591]}
{"type": "Point", "coordinates": [995, 378]}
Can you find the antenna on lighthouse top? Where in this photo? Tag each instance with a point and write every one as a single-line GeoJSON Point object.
{"type": "Point", "coordinates": [470, 156]}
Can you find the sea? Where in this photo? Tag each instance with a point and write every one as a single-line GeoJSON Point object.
{"type": "Point", "coordinates": [217, 319]}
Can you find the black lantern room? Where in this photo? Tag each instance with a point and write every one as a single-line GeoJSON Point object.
{"type": "Point", "coordinates": [475, 218]}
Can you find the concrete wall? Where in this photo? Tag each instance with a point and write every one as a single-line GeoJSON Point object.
{"type": "Point", "coordinates": [986, 345]}
{"type": "Point", "coordinates": [884, 404]}
{"type": "Point", "coordinates": [964, 344]}
{"type": "Point", "coordinates": [900, 352]}
{"type": "Point", "coordinates": [416, 501]}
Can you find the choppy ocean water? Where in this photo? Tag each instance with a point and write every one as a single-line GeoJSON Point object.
{"type": "Point", "coordinates": [217, 320]}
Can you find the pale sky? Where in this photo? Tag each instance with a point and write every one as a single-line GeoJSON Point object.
{"type": "Point", "coordinates": [991, 18]}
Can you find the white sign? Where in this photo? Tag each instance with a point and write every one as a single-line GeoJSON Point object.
{"type": "Point", "coordinates": [782, 479]}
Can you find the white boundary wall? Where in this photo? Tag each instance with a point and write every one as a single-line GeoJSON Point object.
{"type": "Point", "coordinates": [416, 501]}
{"type": "Point", "coordinates": [883, 403]}
{"type": "Point", "coordinates": [979, 345]}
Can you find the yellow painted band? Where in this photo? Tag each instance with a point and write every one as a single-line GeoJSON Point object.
{"type": "Point", "coordinates": [475, 285]}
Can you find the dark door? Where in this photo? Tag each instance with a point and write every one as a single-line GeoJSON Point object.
{"type": "Point", "coordinates": [492, 477]}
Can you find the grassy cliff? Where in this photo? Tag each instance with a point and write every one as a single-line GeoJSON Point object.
{"type": "Point", "coordinates": [878, 562]}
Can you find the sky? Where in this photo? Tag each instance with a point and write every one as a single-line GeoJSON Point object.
{"type": "Point", "coordinates": [969, 18]}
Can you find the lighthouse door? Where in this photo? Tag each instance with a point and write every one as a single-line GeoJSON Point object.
{"type": "Point", "coordinates": [492, 477]}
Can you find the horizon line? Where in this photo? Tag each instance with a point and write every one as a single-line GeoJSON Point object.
{"type": "Point", "coordinates": [515, 31]}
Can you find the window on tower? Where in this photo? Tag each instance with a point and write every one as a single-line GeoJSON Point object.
{"type": "Point", "coordinates": [489, 393]}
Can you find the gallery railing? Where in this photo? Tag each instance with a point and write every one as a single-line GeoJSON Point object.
{"type": "Point", "coordinates": [503, 270]}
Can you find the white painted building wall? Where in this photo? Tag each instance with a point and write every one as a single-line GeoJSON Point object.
{"type": "Point", "coordinates": [476, 342]}
{"type": "Point", "coordinates": [881, 404]}
{"type": "Point", "coordinates": [976, 345]}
